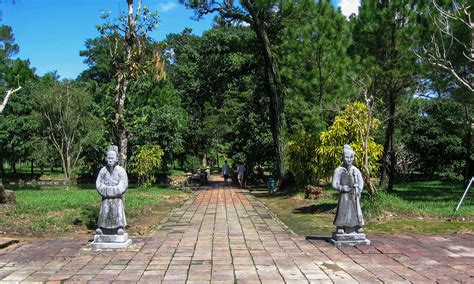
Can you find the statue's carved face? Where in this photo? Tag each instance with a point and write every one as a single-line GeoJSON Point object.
{"type": "Point", "coordinates": [111, 158]}
{"type": "Point", "coordinates": [348, 158]}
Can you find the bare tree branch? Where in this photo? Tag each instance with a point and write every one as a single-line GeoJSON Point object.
{"type": "Point", "coordinates": [443, 39]}
{"type": "Point", "coordinates": [7, 97]}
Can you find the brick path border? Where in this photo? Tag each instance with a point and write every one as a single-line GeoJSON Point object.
{"type": "Point", "coordinates": [225, 235]}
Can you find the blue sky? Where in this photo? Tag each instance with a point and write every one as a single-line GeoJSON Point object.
{"type": "Point", "coordinates": [51, 33]}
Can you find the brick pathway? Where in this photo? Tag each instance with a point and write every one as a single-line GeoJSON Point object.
{"type": "Point", "coordinates": [223, 235]}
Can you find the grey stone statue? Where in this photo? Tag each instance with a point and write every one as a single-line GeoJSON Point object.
{"type": "Point", "coordinates": [347, 179]}
{"type": "Point", "coordinates": [111, 184]}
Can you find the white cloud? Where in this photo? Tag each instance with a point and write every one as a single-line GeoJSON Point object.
{"type": "Point", "coordinates": [349, 7]}
{"type": "Point", "coordinates": [168, 6]}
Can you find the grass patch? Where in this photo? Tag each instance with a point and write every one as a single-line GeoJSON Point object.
{"type": "Point", "coordinates": [44, 212]}
{"type": "Point", "coordinates": [414, 207]}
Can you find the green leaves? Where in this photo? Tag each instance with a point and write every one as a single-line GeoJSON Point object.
{"type": "Point", "coordinates": [315, 63]}
{"type": "Point", "coordinates": [146, 162]}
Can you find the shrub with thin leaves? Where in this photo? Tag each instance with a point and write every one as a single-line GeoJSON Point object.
{"type": "Point", "coordinates": [302, 159]}
{"type": "Point", "coordinates": [350, 126]}
{"type": "Point", "coordinates": [146, 163]}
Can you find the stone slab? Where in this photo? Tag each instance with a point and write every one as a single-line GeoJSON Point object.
{"type": "Point", "coordinates": [111, 238]}
{"type": "Point", "coordinates": [352, 239]}
{"type": "Point", "coordinates": [100, 245]}
{"type": "Point", "coordinates": [348, 237]}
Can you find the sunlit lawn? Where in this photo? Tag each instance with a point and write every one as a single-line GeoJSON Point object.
{"type": "Point", "coordinates": [415, 207]}
{"type": "Point", "coordinates": [58, 211]}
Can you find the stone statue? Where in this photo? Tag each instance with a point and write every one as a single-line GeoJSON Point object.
{"type": "Point", "coordinates": [111, 184]}
{"type": "Point", "coordinates": [349, 221]}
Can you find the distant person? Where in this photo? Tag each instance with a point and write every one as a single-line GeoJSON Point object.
{"type": "Point", "coordinates": [208, 173]}
{"type": "Point", "coordinates": [240, 174]}
{"type": "Point", "coordinates": [226, 172]}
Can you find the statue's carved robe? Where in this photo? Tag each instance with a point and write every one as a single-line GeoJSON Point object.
{"type": "Point", "coordinates": [111, 186]}
{"type": "Point", "coordinates": [349, 213]}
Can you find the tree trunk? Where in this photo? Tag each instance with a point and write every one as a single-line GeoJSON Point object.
{"type": "Point", "coordinates": [389, 158]}
{"type": "Point", "coordinates": [14, 167]}
{"type": "Point", "coordinates": [63, 166]}
{"type": "Point", "coordinates": [469, 167]}
{"type": "Point", "coordinates": [276, 99]}
{"type": "Point", "coordinates": [32, 167]}
{"type": "Point", "coordinates": [120, 131]}
{"type": "Point", "coordinates": [368, 103]}
{"type": "Point", "coordinates": [123, 77]}
{"type": "Point", "coordinates": [2, 167]}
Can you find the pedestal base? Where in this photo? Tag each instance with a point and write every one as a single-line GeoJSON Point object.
{"type": "Point", "coordinates": [351, 239]}
{"type": "Point", "coordinates": [111, 241]}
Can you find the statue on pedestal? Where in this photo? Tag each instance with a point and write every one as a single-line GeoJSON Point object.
{"type": "Point", "coordinates": [111, 184]}
{"type": "Point", "coordinates": [347, 179]}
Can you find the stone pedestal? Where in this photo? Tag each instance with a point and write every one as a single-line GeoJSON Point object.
{"type": "Point", "coordinates": [111, 241]}
{"type": "Point", "coordinates": [351, 239]}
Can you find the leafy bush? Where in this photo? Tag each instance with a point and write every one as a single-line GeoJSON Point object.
{"type": "Point", "coordinates": [302, 159]}
{"type": "Point", "coordinates": [192, 163]}
{"type": "Point", "coordinates": [146, 162]}
{"type": "Point", "coordinates": [311, 159]}
{"type": "Point", "coordinates": [349, 127]}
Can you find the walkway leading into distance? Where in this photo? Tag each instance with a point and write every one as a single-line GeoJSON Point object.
{"type": "Point", "coordinates": [224, 235]}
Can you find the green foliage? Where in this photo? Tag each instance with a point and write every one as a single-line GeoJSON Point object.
{"type": "Point", "coordinates": [145, 163]}
{"type": "Point", "coordinates": [315, 63]}
{"type": "Point", "coordinates": [156, 116]}
{"type": "Point", "coordinates": [349, 126]}
{"type": "Point", "coordinates": [435, 134]}
{"type": "Point", "coordinates": [302, 158]}
{"type": "Point", "coordinates": [192, 163]}
{"type": "Point", "coordinates": [8, 47]}
{"type": "Point", "coordinates": [17, 124]}
{"type": "Point", "coordinates": [216, 75]}
{"type": "Point", "coordinates": [63, 109]}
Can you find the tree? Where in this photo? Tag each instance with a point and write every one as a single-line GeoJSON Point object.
{"type": "Point", "coordinates": [16, 122]}
{"type": "Point", "coordinates": [156, 116]}
{"type": "Point", "coordinates": [436, 131]}
{"type": "Point", "coordinates": [127, 39]}
{"type": "Point", "coordinates": [384, 35]}
{"type": "Point", "coordinates": [217, 77]}
{"type": "Point", "coordinates": [315, 64]}
{"type": "Point", "coordinates": [449, 48]}
{"type": "Point", "coordinates": [64, 110]}
{"type": "Point", "coordinates": [8, 48]}
{"type": "Point", "coordinates": [264, 19]}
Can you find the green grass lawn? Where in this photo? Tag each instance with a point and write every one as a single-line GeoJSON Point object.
{"type": "Point", "coordinates": [415, 207]}
{"type": "Point", "coordinates": [57, 211]}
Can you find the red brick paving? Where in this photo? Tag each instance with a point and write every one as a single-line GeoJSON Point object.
{"type": "Point", "coordinates": [223, 235]}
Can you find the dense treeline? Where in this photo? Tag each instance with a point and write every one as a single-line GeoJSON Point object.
{"type": "Point", "coordinates": [205, 98]}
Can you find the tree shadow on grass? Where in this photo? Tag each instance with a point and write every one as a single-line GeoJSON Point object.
{"type": "Point", "coordinates": [315, 208]}
{"type": "Point", "coordinates": [439, 191]}
{"type": "Point", "coordinates": [263, 192]}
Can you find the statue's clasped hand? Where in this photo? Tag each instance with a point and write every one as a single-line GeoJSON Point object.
{"type": "Point", "coordinates": [346, 188]}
